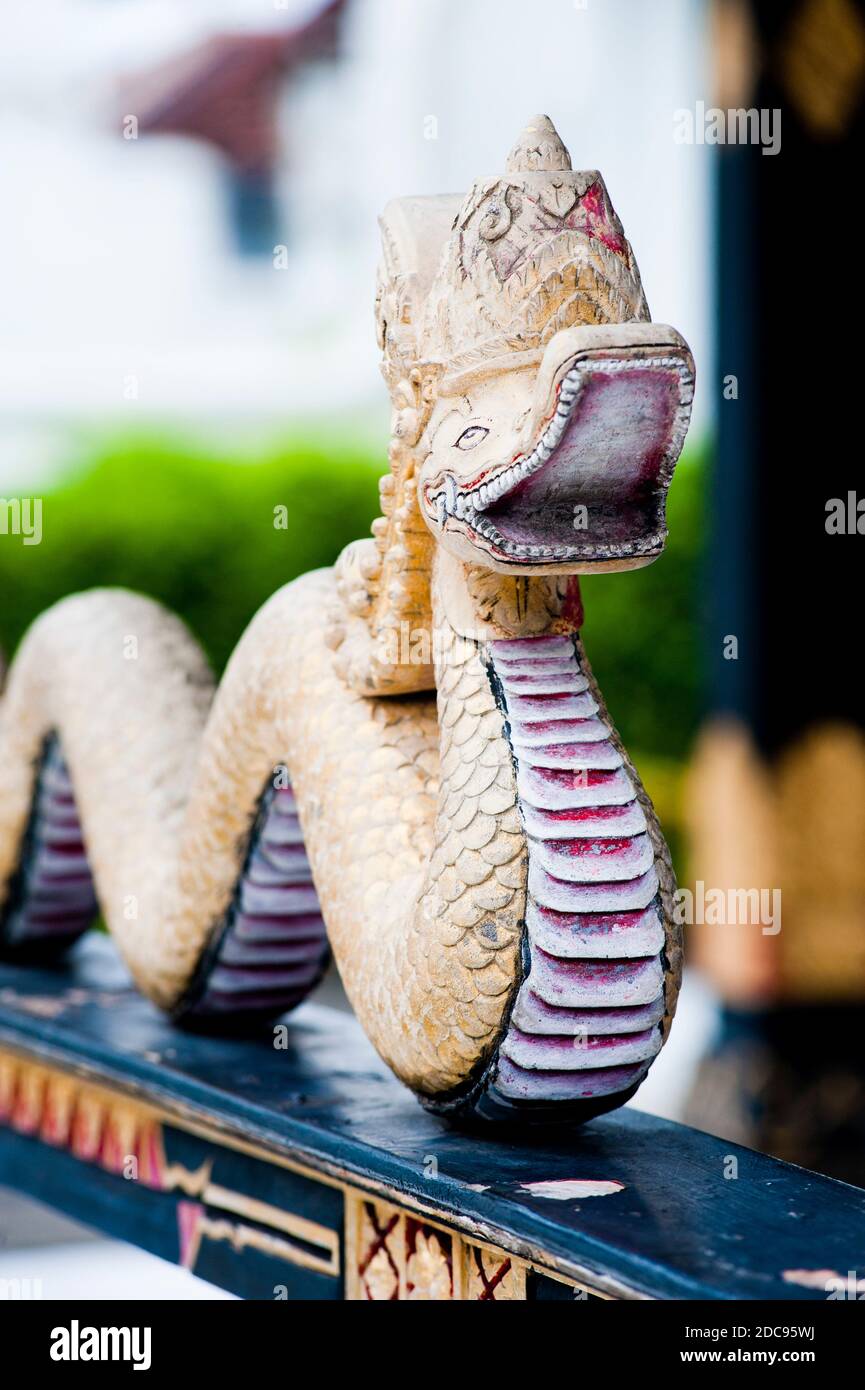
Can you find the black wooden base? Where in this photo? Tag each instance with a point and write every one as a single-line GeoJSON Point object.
{"type": "Point", "coordinates": [293, 1165]}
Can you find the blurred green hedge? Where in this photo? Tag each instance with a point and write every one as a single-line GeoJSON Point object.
{"type": "Point", "coordinates": [642, 629]}
{"type": "Point", "coordinates": [196, 531]}
{"type": "Point", "coordinates": [193, 530]}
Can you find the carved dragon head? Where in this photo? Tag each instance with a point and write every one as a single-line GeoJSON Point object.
{"type": "Point", "coordinates": [537, 408]}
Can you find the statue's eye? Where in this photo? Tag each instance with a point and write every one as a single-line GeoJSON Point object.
{"type": "Point", "coordinates": [472, 436]}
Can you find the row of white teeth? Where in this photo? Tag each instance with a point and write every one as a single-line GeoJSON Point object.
{"type": "Point", "coordinates": [613, 550]}
{"type": "Point", "coordinates": [462, 504]}
{"type": "Point", "coordinates": [485, 528]}
{"type": "Point", "coordinates": [465, 506]}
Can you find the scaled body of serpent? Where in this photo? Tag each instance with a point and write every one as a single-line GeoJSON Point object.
{"type": "Point", "coordinates": [481, 858]}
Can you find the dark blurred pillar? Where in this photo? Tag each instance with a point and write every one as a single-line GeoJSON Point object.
{"type": "Point", "coordinates": [778, 792]}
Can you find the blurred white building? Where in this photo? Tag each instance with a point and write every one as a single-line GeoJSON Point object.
{"type": "Point", "coordinates": [126, 294]}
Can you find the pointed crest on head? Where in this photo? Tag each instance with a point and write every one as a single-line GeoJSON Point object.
{"type": "Point", "coordinates": [470, 281]}
{"type": "Point", "coordinates": [533, 251]}
{"type": "Point", "coordinates": [528, 383]}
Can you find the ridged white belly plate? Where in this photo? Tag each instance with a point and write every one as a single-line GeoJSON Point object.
{"type": "Point", "coordinates": [585, 1022]}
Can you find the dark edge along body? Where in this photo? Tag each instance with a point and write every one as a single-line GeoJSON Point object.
{"type": "Point", "coordinates": [51, 900]}
{"type": "Point", "coordinates": [264, 956]}
{"type": "Point", "coordinates": [480, 1100]}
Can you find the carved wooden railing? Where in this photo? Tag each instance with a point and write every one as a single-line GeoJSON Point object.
{"type": "Point", "coordinates": [295, 1166]}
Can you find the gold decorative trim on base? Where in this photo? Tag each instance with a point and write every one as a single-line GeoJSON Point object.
{"type": "Point", "coordinates": [124, 1136]}
{"type": "Point", "coordinates": [396, 1256]}
{"type": "Point", "coordinates": [95, 1124]}
{"type": "Point", "coordinates": [394, 1250]}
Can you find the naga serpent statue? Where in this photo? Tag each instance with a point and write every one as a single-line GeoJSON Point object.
{"type": "Point", "coordinates": [407, 761]}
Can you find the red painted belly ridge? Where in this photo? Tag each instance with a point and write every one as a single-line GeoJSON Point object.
{"type": "Point", "coordinates": [274, 946]}
{"type": "Point", "coordinates": [585, 1022]}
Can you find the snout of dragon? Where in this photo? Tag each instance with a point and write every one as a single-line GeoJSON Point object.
{"type": "Point", "coordinates": [590, 489]}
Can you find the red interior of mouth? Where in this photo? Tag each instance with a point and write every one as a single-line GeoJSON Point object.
{"type": "Point", "coordinates": [608, 461]}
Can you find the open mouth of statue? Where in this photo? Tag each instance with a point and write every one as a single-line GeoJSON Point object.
{"type": "Point", "coordinates": [593, 488]}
